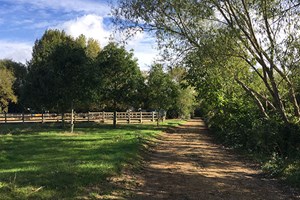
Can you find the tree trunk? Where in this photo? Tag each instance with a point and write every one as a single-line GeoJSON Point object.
{"type": "Point", "coordinates": [257, 101]}
{"type": "Point", "coordinates": [277, 98]}
{"type": "Point", "coordinates": [115, 119]}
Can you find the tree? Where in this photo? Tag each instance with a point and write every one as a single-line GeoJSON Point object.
{"type": "Point", "coordinates": [19, 71]}
{"type": "Point", "coordinates": [58, 76]}
{"type": "Point", "coordinates": [92, 48]}
{"type": "Point", "coordinates": [119, 78]}
{"type": "Point", "coordinates": [261, 33]}
{"type": "Point", "coordinates": [161, 89]}
{"type": "Point", "coordinates": [185, 101]}
{"type": "Point", "coordinates": [6, 88]}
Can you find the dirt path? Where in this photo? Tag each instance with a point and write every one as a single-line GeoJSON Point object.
{"type": "Point", "coordinates": [187, 165]}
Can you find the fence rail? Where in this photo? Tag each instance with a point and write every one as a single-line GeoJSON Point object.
{"type": "Point", "coordinates": [121, 117]}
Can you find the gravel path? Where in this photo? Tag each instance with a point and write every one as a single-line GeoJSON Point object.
{"type": "Point", "coordinates": [186, 164]}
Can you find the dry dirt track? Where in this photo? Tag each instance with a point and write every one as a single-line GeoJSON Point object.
{"type": "Point", "coordinates": [185, 164]}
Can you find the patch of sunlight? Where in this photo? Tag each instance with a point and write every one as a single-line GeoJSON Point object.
{"type": "Point", "coordinates": [96, 166]}
{"type": "Point", "coordinates": [23, 169]}
{"type": "Point", "coordinates": [3, 184]}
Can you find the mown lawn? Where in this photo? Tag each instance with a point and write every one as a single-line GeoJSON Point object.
{"type": "Point", "coordinates": [47, 162]}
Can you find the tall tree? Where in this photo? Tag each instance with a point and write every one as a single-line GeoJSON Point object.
{"type": "Point", "coordinates": [119, 78]}
{"type": "Point", "coordinates": [19, 71]}
{"type": "Point", "coordinates": [161, 89]}
{"type": "Point", "coordinates": [261, 33]}
{"type": "Point", "coordinates": [185, 101]}
{"type": "Point", "coordinates": [57, 76]}
{"type": "Point", "coordinates": [6, 88]}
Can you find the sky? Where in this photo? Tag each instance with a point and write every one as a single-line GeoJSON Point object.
{"type": "Point", "coordinates": [24, 21]}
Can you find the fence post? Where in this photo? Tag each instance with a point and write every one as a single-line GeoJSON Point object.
{"type": "Point", "coordinates": [72, 120]}
{"type": "Point", "coordinates": [103, 116]}
{"type": "Point", "coordinates": [89, 116]}
{"type": "Point", "coordinates": [141, 117]}
{"type": "Point", "coordinates": [128, 116]}
{"type": "Point", "coordinates": [152, 116]}
{"type": "Point", "coordinates": [42, 117]}
{"type": "Point", "coordinates": [23, 118]}
{"type": "Point", "coordinates": [115, 119]}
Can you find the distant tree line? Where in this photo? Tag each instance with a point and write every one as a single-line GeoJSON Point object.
{"type": "Point", "coordinates": [75, 73]}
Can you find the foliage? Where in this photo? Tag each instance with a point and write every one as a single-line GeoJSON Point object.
{"type": "Point", "coordinates": [6, 88]}
{"type": "Point", "coordinates": [57, 73]}
{"type": "Point", "coordinates": [161, 90]}
{"type": "Point", "coordinates": [291, 173]}
{"type": "Point", "coordinates": [118, 78]}
{"type": "Point", "coordinates": [231, 29]}
{"type": "Point", "coordinates": [19, 71]}
{"type": "Point", "coordinates": [92, 48]}
{"type": "Point", "coordinates": [185, 101]}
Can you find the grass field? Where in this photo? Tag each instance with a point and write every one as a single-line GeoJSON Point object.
{"type": "Point", "coordinates": [44, 161]}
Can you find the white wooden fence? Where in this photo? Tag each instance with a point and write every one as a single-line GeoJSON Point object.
{"type": "Point", "coordinates": [104, 117]}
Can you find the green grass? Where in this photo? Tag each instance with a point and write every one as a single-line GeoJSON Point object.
{"type": "Point", "coordinates": [47, 162]}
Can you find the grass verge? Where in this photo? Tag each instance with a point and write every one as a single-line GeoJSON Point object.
{"type": "Point", "coordinates": [44, 161]}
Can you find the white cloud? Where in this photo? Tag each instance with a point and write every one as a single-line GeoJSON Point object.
{"type": "Point", "coordinates": [92, 27]}
{"type": "Point", "coordinates": [89, 25]}
{"type": "Point", "coordinates": [144, 49]}
{"type": "Point", "coordinates": [17, 51]}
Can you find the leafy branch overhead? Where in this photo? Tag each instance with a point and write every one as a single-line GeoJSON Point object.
{"type": "Point", "coordinates": [262, 35]}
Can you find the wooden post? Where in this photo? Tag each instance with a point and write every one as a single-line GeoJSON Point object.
{"type": "Point", "coordinates": [89, 116]}
{"type": "Point", "coordinates": [72, 120]}
{"type": "Point", "coordinates": [103, 116]}
{"type": "Point", "coordinates": [128, 116]}
{"type": "Point", "coordinates": [23, 118]}
{"type": "Point", "coordinates": [115, 119]}
{"type": "Point", "coordinates": [152, 116]}
{"type": "Point", "coordinates": [141, 117]}
{"type": "Point", "coordinates": [5, 117]}
{"type": "Point", "coordinates": [157, 116]}
{"type": "Point", "coordinates": [42, 117]}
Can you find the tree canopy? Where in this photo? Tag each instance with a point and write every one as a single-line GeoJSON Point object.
{"type": "Point", "coordinates": [119, 78]}
{"type": "Point", "coordinates": [19, 73]}
{"type": "Point", "coordinates": [263, 34]}
{"type": "Point", "coordinates": [161, 90]}
{"type": "Point", "coordinates": [56, 72]}
{"type": "Point", "coordinates": [6, 88]}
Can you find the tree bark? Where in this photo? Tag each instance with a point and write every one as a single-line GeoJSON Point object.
{"type": "Point", "coordinates": [254, 96]}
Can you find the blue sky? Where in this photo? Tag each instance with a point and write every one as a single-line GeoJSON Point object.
{"type": "Point", "coordinates": [24, 21]}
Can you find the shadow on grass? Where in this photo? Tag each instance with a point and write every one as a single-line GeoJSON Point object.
{"type": "Point", "coordinates": [46, 162]}
{"type": "Point", "coordinates": [31, 128]}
